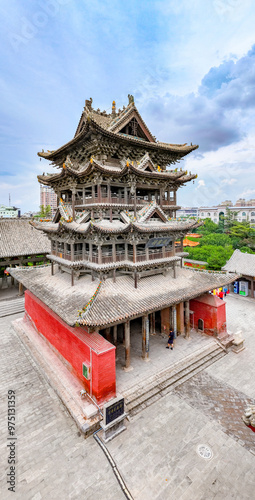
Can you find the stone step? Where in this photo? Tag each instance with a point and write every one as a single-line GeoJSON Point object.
{"type": "Point", "coordinates": [134, 408]}
{"type": "Point", "coordinates": [173, 369]}
{"type": "Point", "coordinates": [13, 306]}
{"type": "Point", "coordinates": [139, 399]}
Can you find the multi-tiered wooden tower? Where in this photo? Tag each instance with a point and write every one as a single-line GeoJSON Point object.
{"type": "Point", "coordinates": [116, 250]}
{"type": "Point", "coordinates": [117, 192]}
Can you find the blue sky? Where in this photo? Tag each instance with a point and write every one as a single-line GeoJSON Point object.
{"type": "Point", "coordinates": [189, 64]}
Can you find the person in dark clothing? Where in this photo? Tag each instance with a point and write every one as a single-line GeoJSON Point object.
{"type": "Point", "coordinates": [170, 343]}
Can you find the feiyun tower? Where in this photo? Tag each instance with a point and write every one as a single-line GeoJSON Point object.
{"type": "Point", "coordinates": [113, 254]}
{"type": "Point", "coordinates": [117, 198]}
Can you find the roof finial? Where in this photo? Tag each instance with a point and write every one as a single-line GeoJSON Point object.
{"type": "Point", "coordinates": [130, 99]}
{"type": "Point", "coordinates": [113, 108]}
{"type": "Point", "coordinates": [88, 103]}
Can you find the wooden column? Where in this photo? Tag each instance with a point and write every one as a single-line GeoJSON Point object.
{"type": "Point", "coordinates": [127, 346]}
{"type": "Point", "coordinates": [187, 320]}
{"type": "Point", "coordinates": [134, 252]}
{"type": "Point", "coordinates": [73, 203]}
{"type": "Point", "coordinates": [152, 324]}
{"type": "Point", "coordinates": [160, 197]}
{"type": "Point", "coordinates": [252, 288]}
{"type": "Point", "coordinates": [99, 254]}
{"type": "Point", "coordinates": [52, 269]}
{"type": "Point", "coordinates": [174, 267]}
{"type": "Point", "coordinates": [174, 320]}
{"type": "Point", "coordinates": [114, 275]}
{"type": "Point", "coordinates": [93, 193]}
{"type": "Point", "coordinates": [180, 318]}
{"type": "Point", "coordinates": [135, 203]}
{"type": "Point", "coordinates": [115, 334]}
{"type": "Point", "coordinates": [108, 334]}
{"type": "Point", "coordinates": [72, 277]}
{"type": "Point", "coordinates": [145, 338]}
{"type": "Point", "coordinates": [135, 278]}
{"type": "Point", "coordinates": [20, 289]}
{"type": "Point", "coordinates": [125, 195]}
{"type": "Point", "coordinates": [182, 244]}
{"type": "Point", "coordinates": [99, 197]}
{"type": "Point", "coordinates": [114, 251]}
{"type": "Point", "coordinates": [111, 214]}
{"type": "Point", "coordinates": [72, 251]}
{"type": "Point", "coordinates": [109, 193]}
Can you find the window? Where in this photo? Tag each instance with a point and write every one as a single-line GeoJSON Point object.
{"type": "Point", "coordinates": [243, 214]}
{"type": "Point", "coordinates": [208, 214]}
{"type": "Point", "coordinates": [202, 214]}
{"type": "Point", "coordinates": [252, 214]}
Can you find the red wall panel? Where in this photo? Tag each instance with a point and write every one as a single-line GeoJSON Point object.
{"type": "Point", "coordinates": [213, 315]}
{"type": "Point", "coordinates": [76, 346]}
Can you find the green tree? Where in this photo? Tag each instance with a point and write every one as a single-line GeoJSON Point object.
{"type": "Point", "coordinates": [216, 239]}
{"type": "Point", "coordinates": [229, 219]}
{"type": "Point", "coordinates": [44, 211]}
{"type": "Point", "coordinates": [244, 233]}
{"type": "Point", "coordinates": [246, 250]}
{"type": "Point", "coordinates": [209, 227]}
{"type": "Point", "coordinates": [215, 255]}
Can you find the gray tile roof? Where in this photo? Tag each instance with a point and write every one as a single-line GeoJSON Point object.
{"type": "Point", "coordinates": [115, 302]}
{"type": "Point", "coordinates": [18, 237]}
{"type": "Point", "coordinates": [242, 263]}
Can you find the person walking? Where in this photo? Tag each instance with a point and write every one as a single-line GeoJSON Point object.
{"type": "Point", "coordinates": [170, 343]}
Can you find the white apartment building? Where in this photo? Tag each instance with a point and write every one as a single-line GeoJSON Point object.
{"type": "Point", "coordinates": [245, 213]}
{"type": "Point", "coordinates": [7, 212]}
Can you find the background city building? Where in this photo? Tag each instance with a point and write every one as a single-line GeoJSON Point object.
{"type": "Point", "coordinates": [7, 212]}
{"type": "Point", "coordinates": [244, 210]}
{"type": "Point", "coordinates": [48, 198]}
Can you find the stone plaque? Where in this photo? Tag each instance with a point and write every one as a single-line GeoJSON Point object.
{"type": "Point", "coordinates": [113, 410]}
{"type": "Point", "coordinates": [158, 242]}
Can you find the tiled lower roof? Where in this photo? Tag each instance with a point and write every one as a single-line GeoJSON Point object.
{"type": "Point", "coordinates": [18, 237]}
{"type": "Point", "coordinates": [119, 301]}
{"type": "Point", "coordinates": [242, 263]}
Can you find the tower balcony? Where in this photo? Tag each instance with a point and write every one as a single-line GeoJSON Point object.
{"type": "Point", "coordinates": [119, 200]}
{"type": "Point", "coordinates": [108, 258]}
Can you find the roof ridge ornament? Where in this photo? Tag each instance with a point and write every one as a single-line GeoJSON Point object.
{"type": "Point", "coordinates": [131, 99]}
{"type": "Point", "coordinates": [88, 103]}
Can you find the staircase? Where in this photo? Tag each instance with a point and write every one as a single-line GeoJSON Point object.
{"type": "Point", "coordinates": [12, 306]}
{"type": "Point", "coordinates": [146, 393]}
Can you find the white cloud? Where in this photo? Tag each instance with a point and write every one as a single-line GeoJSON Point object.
{"type": "Point", "coordinates": [201, 183]}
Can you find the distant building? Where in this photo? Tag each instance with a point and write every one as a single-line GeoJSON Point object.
{"type": "Point", "coordinates": [48, 197]}
{"type": "Point", "coordinates": [7, 212]}
{"type": "Point", "coordinates": [244, 212]}
{"type": "Point", "coordinates": [243, 264]}
{"type": "Point", "coordinates": [227, 203]}
{"type": "Point", "coordinates": [187, 212]}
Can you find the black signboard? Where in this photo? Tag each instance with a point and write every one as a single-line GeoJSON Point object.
{"type": "Point", "coordinates": [158, 242]}
{"type": "Point", "coordinates": [114, 411]}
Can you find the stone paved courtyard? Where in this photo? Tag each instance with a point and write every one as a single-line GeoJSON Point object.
{"type": "Point", "coordinates": [157, 455]}
{"type": "Point", "coordinates": [220, 403]}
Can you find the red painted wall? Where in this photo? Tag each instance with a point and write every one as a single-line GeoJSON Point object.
{"type": "Point", "coordinates": [212, 311]}
{"type": "Point", "coordinates": [76, 346]}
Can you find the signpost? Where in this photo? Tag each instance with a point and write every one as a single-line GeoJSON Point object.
{"type": "Point", "coordinates": [113, 418]}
